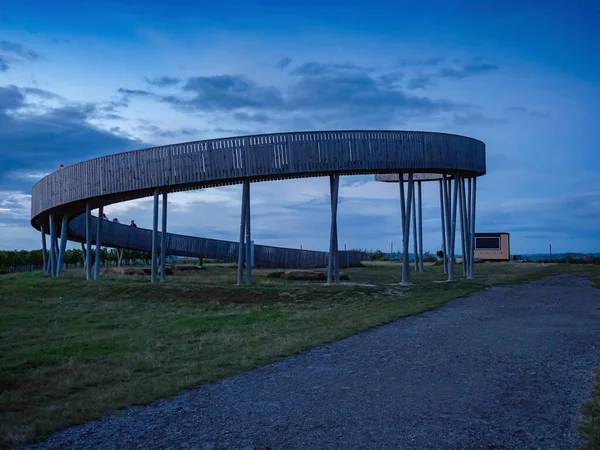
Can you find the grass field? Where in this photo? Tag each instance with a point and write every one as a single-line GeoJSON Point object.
{"type": "Point", "coordinates": [71, 350]}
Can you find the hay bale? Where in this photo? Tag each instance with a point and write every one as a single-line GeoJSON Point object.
{"type": "Point", "coordinates": [277, 274]}
{"type": "Point", "coordinates": [187, 268]}
{"type": "Point", "coordinates": [306, 275]}
{"type": "Point", "coordinates": [309, 275]}
{"type": "Point", "coordinates": [123, 271]}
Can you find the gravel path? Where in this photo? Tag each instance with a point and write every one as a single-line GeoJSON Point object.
{"type": "Point", "coordinates": [507, 368]}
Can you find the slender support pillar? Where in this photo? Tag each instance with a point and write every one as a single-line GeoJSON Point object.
{"type": "Point", "coordinates": [335, 238]}
{"type": "Point", "coordinates": [154, 263]}
{"type": "Point", "coordinates": [44, 256]}
{"type": "Point", "coordinates": [56, 251]}
{"type": "Point", "coordinates": [88, 242]}
{"type": "Point", "coordinates": [462, 225]}
{"type": "Point", "coordinates": [83, 255]}
{"type": "Point", "coordinates": [420, 226]}
{"type": "Point", "coordinates": [248, 252]}
{"type": "Point", "coordinates": [447, 223]}
{"type": "Point", "coordinates": [405, 205]}
{"type": "Point", "coordinates": [63, 245]}
{"type": "Point", "coordinates": [414, 226]}
{"type": "Point", "coordinates": [120, 257]}
{"type": "Point", "coordinates": [240, 274]}
{"type": "Point", "coordinates": [163, 240]}
{"type": "Point", "coordinates": [333, 268]}
{"type": "Point", "coordinates": [453, 229]}
{"type": "Point", "coordinates": [98, 244]}
{"type": "Point", "coordinates": [403, 221]}
{"type": "Point", "coordinates": [443, 213]}
{"type": "Point", "coordinates": [52, 247]}
{"type": "Point", "coordinates": [474, 201]}
{"type": "Point", "coordinates": [470, 218]}
{"type": "Point", "coordinates": [464, 222]}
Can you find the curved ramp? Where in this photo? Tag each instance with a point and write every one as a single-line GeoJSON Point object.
{"type": "Point", "coordinates": [218, 162]}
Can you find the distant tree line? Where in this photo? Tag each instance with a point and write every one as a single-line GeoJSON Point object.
{"type": "Point", "coordinates": [378, 255]}
{"type": "Point", "coordinates": [18, 260]}
{"type": "Point", "coordinates": [563, 259]}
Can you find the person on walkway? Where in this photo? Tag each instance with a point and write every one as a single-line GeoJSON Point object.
{"type": "Point", "coordinates": [115, 220]}
{"type": "Point", "coordinates": [132, 224]}
{"type": "Point", "coordinates": [104, 217]}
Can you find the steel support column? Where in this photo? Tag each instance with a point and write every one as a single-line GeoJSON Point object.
{"type": "Point", "coordinates": [333, 269]}
{"type": "Point", "coordinates": [163, 240]}
{"type": "Point", "coordinates": [473, 203]}
{"type": "Point", "coordinates": [443, 222]}
{"type": "Point", "coordinates": [56, 251]}
{"type": "Point", "coordinates": [420, 197]}
{"type": "Point", "coordinates": [88, 241]}
{"type": "Point", "coordinates": [248, 251]}
{"type": "Point", "coordinates": [465, 228]}
{"type": "Point", "coordinates": [454, 199]}
{"type": "Point", "coordinates": [335, 238]}
{"type": "Point", "coordinates": [414, 227]}
{"type": "Point", "coordinates": [154, 268]}
{"type": "Point", "coordinates": [405, 205]}
{"type": "Point", "coordinates": [461, 212]}
{"type": "Point", "coordinates": [83, 255]}
{"type": "Point", "coordinates": [469, 218]}
{"type": "Point", "coordinates": [63, 245]}
{"type": "Point", "coordinates": [241, 248]}
{"type": "Point", "coordinates": [44, 256]}
{"type": "Point", "coordinates": [448, 222]}
{"type": "Point", "coordinates": [52, 246]}
{"type": "Point", "coordinates": [98, 261]}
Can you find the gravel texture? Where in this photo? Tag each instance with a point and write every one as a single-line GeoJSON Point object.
{"type": "Point", "coordinates": [508, 368]}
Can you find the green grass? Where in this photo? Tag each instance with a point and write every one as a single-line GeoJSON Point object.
{"type": "Point", "coordinates": [72, 351]}
{"type": "Point", "coordinates": [589, 426]}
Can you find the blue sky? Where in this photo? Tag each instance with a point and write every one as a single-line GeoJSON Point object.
{"type": "Point", "coordinates": [93, 78]}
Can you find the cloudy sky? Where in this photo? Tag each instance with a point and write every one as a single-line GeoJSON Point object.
{"type": "Point", "coordinates": [91, 78]}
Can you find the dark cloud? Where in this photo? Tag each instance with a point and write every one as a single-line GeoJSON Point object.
{"type": "Point", "coordinates": [40, 142]}
{"type": "Point", "coordinates": [315, 68]}
{"type": "Point", "coordinates": [471, 69]}
{"type": "Point", "coordinates": [164, 81]}
{"type": "Point", "coordinates": [41, 93]}
{"type": "Point", "coordinates": [420, 82]}
{"type": "Point", "coordinates": [160, 132]}
{"type": "Point", "coordinates": [113, 105]}
{"type": "Point", "coordinates": [248, 117]}
{"type": "Point", "coordinates": [111, 116]}
{"type": "Point", "coordinates": [234, 131]}
{"type": "Point", "coordinates": [283, 63]}
{"type": "Point", "coordinates": [474, 119]}
{"type": "Point", "coordinates": [467, 70]}
{"type": "Point", "coordinates": [3, 64]}
{"type": "Point", "coordinates": [225, 93]}
{"type": "Point", "coordinates": [10, 98]}
{"type": "Point", "coordinates": [427, 62]}
{"type": "Point", "coordinates": [320, 93]}
{"type": "Point", "coordinates": [527, 111]}
{"type": "Point", "coordinates": [18, 50]}
{"type": "Point", "coordinates": [359, 93]}
{"type": "Point", "coordinates": [390, 78]}
{"type": "Point", "coordinates": [135, 92]}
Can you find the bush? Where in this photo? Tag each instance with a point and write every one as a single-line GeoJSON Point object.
{"type": "Point", "coordinates": [377, 255]}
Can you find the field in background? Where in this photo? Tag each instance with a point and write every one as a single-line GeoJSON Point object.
{"type": "Point", "coordinates": [71, 350]}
